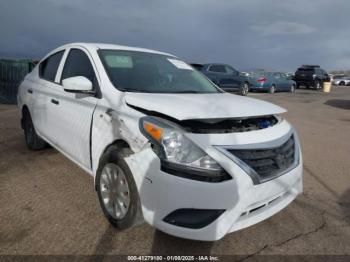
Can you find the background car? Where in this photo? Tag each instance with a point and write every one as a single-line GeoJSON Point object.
{"type": "Point", "coordinates": [311, 76]}
{"type": "Point", "coordinates": [225, 76]}
{"type": "Point", "coordinates": [271, 82]}
{"type": "Point", "coordinates": [341, 81]}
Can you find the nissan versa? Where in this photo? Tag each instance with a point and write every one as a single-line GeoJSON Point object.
{"type": "Point", "coordinates": [163, 142]}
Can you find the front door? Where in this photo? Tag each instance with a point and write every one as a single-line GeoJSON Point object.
{"type": "Point", "coordinates": [71, 114]}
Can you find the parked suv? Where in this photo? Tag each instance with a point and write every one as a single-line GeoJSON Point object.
{"type": "Point", "coordinates": [226, 77]}
{"type": "Point", "coordinates": [161, 141]}
{"type": "Point", "coordinates": [311, 76]}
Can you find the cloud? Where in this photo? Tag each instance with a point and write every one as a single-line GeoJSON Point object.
{"type": "Point", "coordinates": [284, 34]}
{"type": "Point", "coordinates": [281, 28]}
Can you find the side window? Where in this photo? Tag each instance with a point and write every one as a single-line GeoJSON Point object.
{"type": "Point", "coordinates": [217, 69]}
{"type": "Point", "coordinates": [231, 71]}
{"type": "Point", "coordinates": [48, 67]}
{"type": "Point", "coordinates": [78, 64]}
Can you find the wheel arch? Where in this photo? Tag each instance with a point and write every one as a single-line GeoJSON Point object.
{"type": "Point", "coordinates": [117, 144]}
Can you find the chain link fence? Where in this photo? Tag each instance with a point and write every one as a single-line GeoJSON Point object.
{"type": "Point", "coordinates": [12, 72]}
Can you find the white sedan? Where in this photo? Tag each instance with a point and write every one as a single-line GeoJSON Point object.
{"type": "Point", "coordinates": [163, 143]}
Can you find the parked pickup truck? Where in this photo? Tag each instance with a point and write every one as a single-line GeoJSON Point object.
{"type": "Point", "coordinates": [226, 77]}
{"type": "Point", "coordinates": [162, 142]}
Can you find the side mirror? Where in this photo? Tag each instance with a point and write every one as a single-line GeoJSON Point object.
{"type": "Point", "coordinates": [77, 84]}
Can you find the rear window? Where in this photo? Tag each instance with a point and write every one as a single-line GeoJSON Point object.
{"type": "Point", "coordinates": [305, 70]}
{"type": "Point", "coordinates": [48, 67]}
{"type": "Point", "coordinates": [259, 74]}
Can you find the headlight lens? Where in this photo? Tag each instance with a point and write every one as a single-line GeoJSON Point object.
{"type": "Point", "coordinates": [172, 145]}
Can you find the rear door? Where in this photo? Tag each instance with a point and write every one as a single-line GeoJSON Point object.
{"type": "Point", "coordinates": [220, 76]}
{"type": "Point", "coordinates": [285, 82]}
{"type": "Point", "coordinates": [42, 90]}
{"type": "Point", "coordinates": [70, 114]}
{"type": "Point", "coordinates": [277, 79]}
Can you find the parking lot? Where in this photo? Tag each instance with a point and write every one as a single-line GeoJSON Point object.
{"type": "Point", "coordinates": [49, 205]}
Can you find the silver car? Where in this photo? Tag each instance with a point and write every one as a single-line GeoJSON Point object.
{"type": "Point", "coordinates": [341, 81]}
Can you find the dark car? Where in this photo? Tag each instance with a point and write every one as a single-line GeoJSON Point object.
{"type": "Point", "coordinates": [311, 76]}
{"type": "Point", "coordinates": [225, 76]}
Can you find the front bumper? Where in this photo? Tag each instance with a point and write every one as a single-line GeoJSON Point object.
{"type": "Point", "coordinates": [244, 203]}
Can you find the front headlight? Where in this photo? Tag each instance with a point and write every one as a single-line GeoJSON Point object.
{"type": "Point", "coordinates": [176, 151]}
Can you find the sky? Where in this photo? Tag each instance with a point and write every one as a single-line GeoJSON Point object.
{"type": "Point", "coordinates": [247, 34]}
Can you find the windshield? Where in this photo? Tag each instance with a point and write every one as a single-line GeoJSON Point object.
{"type": "Point", "coordinates": [133, 71]}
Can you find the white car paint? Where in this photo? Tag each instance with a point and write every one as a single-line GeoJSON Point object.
{"type": "Point", "coordinates": [82, 127]}
{"type": "Point", "coordinates": [203, 106]}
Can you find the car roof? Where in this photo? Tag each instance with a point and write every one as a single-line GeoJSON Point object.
{"type": "Point", "coordinates": [96, 46]}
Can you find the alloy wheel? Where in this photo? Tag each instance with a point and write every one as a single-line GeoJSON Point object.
{"type": "Point", "coordinates": [245, 89]}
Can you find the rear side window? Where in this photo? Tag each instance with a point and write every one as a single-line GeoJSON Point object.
{"type": "Point", "coordinates": [217, 68]}
{"type": "Point", "coordinates": [48, 68]}
{"type": "Point", "coordinates": [78, 64]}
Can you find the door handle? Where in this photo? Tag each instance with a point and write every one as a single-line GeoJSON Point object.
{"type": "Point", "coordinates": [54, 101]}
{"type": "Point", "coordinates": [30, 91]}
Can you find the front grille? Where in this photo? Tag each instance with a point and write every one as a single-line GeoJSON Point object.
{"type": "Point", "coordinates": [268, 163]}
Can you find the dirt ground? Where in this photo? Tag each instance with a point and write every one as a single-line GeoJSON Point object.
{"type": "Point", "coordinates": [49, 206]}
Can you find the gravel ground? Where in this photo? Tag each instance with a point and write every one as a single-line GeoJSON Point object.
{"type": "Point", "coordinates": [49, 206]}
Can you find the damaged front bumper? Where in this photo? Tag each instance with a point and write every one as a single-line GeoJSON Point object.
{"type": "Point", "coordinates": [208, 211]}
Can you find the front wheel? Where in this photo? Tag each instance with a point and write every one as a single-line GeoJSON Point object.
{"type": "Point", "coordinates": [244, 89]}
{"type": "Point", "coordinates": [117, 191]}
{"type": "Point", "coordinates": [272, 89]}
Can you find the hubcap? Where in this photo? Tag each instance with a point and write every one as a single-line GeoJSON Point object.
{"type": "Point", "coordinates": [245, 89]}
{"type": "Point", "coordinates": [114, 190]}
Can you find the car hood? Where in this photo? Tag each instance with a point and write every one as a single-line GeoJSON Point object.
{"type": "Point", "coordinates": [202, 106]}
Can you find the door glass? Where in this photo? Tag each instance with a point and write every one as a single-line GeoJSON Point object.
{"type": "Point", "coordinates": [48, 68]}
{"type": "Point", "coordinates": [231, 71]}
{"type": "Point", "coordinates": [217, 69]}
{"type": "Point", "coordinates": [78, 64]}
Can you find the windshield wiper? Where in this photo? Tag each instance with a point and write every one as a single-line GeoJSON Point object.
{"type": "Point", "coordinates": [135, 90]}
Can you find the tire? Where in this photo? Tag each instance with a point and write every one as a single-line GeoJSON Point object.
{"type": "Point", "coordinates": [123, 210]}
{"type": "Point", "coordinates": [244, 89]}
{"type": "Point", "coordinates": [342, 83]}
{"type": "Point", "coordinates": [317, 85]}
{"type": "Point", "coordinates": [292, 88]}
{"type": "Point", "coordinates": [33, 141]}
{"type": "Point", "coordinates": [272, 89]}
